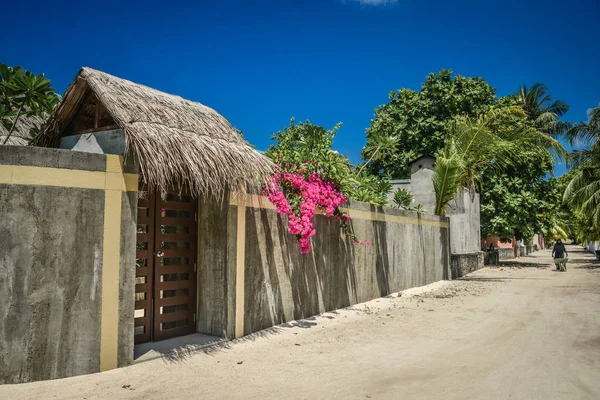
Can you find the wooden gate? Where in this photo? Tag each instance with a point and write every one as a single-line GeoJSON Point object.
{"type": "Point", "coordinates": [165, 305]}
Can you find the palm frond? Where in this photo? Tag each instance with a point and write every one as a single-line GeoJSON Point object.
{"type": "Point", "coordinates": [447, 179]}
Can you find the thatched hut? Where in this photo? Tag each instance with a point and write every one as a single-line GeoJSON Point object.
{"type": "Point", "coordinates": [174, 139]}
{"type": "Point", "coordinates": [189, 157]}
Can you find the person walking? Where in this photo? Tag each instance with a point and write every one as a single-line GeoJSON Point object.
{"type": "Point", "coordinates": [559, 253]}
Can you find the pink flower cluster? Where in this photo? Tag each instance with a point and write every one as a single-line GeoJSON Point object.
{"type": "Point", "coordinates": [299, 191]}
{"type": "Point", "coordinates": [307, 191]}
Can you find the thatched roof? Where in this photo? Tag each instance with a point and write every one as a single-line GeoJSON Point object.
{"type": "Point", "coordinates": [173, 138]}
{"type": "Point", "coordinates": [20, 136]}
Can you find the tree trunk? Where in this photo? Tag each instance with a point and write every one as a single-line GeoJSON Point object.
{"type": "Point", "coordinates": [12, 128]}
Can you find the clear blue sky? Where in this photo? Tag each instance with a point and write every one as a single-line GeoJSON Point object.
{"type": "Point", "coordinates": [261, 62]}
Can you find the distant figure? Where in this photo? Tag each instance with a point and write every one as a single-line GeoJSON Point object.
{"type": "Point", "coordinates": [559, 253]}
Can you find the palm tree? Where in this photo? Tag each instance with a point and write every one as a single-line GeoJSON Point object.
{"type": "Point", "coordinates": [540, 108]}
{"type": "Point", "coordinates": [583, 192]}
{"type": "Point", "coordinates": [586, 134]}
{"type": "Point", "coordinates": [500, 139]}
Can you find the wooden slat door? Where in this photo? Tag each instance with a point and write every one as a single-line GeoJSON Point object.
{"type": "Point", "coordinates": [144, 276]}
{"type": "Point", "coordinates": [173, 275]}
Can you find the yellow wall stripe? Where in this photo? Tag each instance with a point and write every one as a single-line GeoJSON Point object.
{"type": "Point", "coordinates": [372, 216]}
{"type": "Point", "coordinates": [256, 201]}
{"type": "Point", "coordinates": [239, 271]}
{"type": "Point", "coordinates": [42, 176]}
{"type": "Point", "coordinates": [111, 257]}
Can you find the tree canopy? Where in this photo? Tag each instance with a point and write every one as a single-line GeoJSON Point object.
{"type": "Point", "coordinates": [413, 123]}
{"type": "Point", "coordinates": [519, 201]}
{"type": "Point", "coordinates": [23, 94]}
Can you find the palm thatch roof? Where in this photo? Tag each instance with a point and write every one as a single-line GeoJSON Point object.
{"type": "Point", "coordinates": [174, 139]}
{"type": "Point", "coordinates": [21, 136]}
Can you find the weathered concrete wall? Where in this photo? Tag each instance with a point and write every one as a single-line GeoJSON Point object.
{"type": "Point", "coordinates": [506, 254]}
{"type": "Point", "coordinates": [280, 284]}
{"type": "Point", "coordinates": [215, 300]}
{"type": "Point", "coordinates": [52, 261]}
{"type": "Point", "coordinates": [465, 233]}
{"type": "Point", "coordinates": [462, 264]}
{"type": "Point", "coordinates": [103, 142]}
{"type": "Point", "coordinates": [421, 186]}
{"type": "Point", "coordinates": [464, 213]}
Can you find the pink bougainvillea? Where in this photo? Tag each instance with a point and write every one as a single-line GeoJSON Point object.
{"type": "Point", "coordinates": [300, 192]}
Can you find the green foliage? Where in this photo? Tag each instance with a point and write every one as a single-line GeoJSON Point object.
{"type": "Point", "coordinates": [501, 141]}
{"type": "Point", "coordinates": [413, 123]}
{"type": "Point", "coordinates": [305, 142]}
{"type": "Point", "coordinates": [541, 109]}
{"type": "Point", "coordinates": [519, 201]}
{"type": "Point", "coordinates": [24, 94]}
{"type": "Point", "coordinates": [448, 177]}
{"type": "Point", "coordinates": [582, 191]}
{"type": "Point", "coordinates": [403, 198]}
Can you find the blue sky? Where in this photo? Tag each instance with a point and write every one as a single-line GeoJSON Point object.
{"type": "Point", "coordinates": [261, 62]}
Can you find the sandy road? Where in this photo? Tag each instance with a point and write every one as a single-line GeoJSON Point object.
{"type": "Point", "coordinates": [521, 331]}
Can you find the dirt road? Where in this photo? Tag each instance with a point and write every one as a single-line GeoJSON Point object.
{"type": "Point", "coordinates": [521, 331]}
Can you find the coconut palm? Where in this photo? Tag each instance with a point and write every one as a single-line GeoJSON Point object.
{"type": "Point", "coordinates": [540, 108]}
{"type": "Point", "coordinates": [501, 139]}
{"type": "Point", "coordinates": [583, 192]}
{"type": "Point", "coordinates": [586, 134]}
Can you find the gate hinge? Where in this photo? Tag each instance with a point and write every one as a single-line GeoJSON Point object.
{"type": "Point", "coordinates": [195, 267]}
{"type": "Point", "coordinates": [194, 317]}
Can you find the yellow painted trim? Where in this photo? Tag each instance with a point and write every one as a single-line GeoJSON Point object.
{"type": "Point", "coordinates": [111, 257]}
{"type": "Point", "coordinates": [250, 200]}
{"type": "Point", "coordinates": [41, 176]}
{"type": "Point", "coordinates": [114, 163]}
{"type": "Point", "coordinates": [257, 201]}
{"type": "Point", "coordinates": [122, 182]}
{"type": "Point", "coordinates": [372, 216]}
{"type": "Point", "coordinates": [239, 271]}
{"type": "Point", "coordinates": [59, 177]}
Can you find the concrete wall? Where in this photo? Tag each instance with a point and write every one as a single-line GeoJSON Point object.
{"type": "Point", "coordinates": [421, 187]}
{"type": "Point", "coordinates": [268, 281]}
{"type": "Point", "coordinates": [464, 212]}
{"type": "Point", "coordinates": [216, 283]}
{"type": "Point", "coordinates": [103, 142]}
{"type": "Point", "coordinates": [506, 254]}
{"type": "Point", "coordinates": [465, 224]}
{"type": "Point", "coordinates": [462, 264]}
{"type": "Point", "coordinates": [67, 260]}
